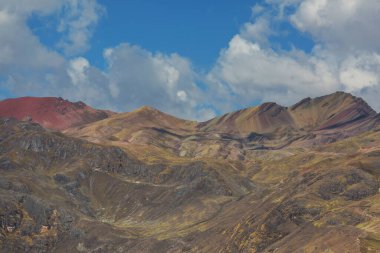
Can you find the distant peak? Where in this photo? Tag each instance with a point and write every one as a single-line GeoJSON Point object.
{"type": "Point", "coordinates": [271, 108]}
{"type": "Point", "coordinates": [303, 102]}
{"type": "Point", "coordinates": [51, 112]}
{"type": "Point", "coordinates": [42, 100]}
{"type": "Point", "coordinates": [80, 104]}
{"type": "Point", "coordinates": [341, 93]}
{"type": "Point", "coordinates": [338, 98]}
{"type": "Point", "coordinates": [146, 108]}
{"type": "Point", "coordinates": [338, 95]}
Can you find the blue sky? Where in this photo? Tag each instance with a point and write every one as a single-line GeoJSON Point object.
{"type": "Point", "coordinates": [197, 30]}
{"type": "Point", "coordinates": [194, 59]}
{"type": "Point", "coordinates": [194, 29]}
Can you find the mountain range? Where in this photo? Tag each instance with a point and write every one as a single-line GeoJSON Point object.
{"type": "Point", "coordinates": [268, 178]}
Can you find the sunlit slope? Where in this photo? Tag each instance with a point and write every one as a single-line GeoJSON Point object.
{"type": "Point", "coordinates": [309, 114]}
{"type": "Point", "coordinates": [234, 135]}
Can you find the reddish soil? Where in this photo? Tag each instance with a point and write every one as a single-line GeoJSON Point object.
{"type": "Point", "coordinates": [51, 112]}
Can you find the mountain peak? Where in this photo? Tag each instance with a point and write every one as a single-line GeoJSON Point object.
{"type": "Point", "coordinates": [51, 112]}
{"type": "Point", "coordinates": [261, 119]}
{"type": "Point", "coordinates": [147, 108]}
{"type": "Point", "coordinates": [344, 97]}
{"type": "Point", "coordinates": [330, 111]}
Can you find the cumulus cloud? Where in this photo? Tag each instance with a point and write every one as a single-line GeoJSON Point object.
{"type": "Point", "coordinates": [25, 63]}
{"type": "Point", "coordinates": [250, 70]}
{"type": "Point", "coordinates": [134, 76]}
{"type": "Point", "coordinates": [339, 24]}
{"type": "Point", "coordinates": [26, 7]}
{"type": "Point", "coordinates": [345, 56]}
{"type": "Point", "coordinates": [27, 67]}
{"type": "Point", "coordinates": [22, 55]}
{"type": "Point", "coordinates": [258, 31]}
{"type": "Point", "coordinates": [77, 21]}
{"type": "Point", "coordinates": [77, 70]}
{"type": "Point", "coordinates": [255, 74]}
{"type": "Point", "coordinates": [137, 76]}
{"type": "Point", "coordinates": [20, 48]}
{"type": "Point", "coordinates": [76, 18]}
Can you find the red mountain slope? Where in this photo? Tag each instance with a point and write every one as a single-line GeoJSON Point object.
{"type": "Point", "coordinates": [50, 112]}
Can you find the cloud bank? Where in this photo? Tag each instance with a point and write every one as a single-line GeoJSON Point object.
{"type": "Point", "coordinates": [345, 56]}
{"type": "Point", "coordinates": [253, 67]}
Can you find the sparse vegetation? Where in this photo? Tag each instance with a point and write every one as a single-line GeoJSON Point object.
{"type": "Point", "coordinates": [147, 182]}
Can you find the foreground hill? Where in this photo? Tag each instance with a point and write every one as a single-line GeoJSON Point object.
{"type": "Point", "coordinates": [50, 112]}
{"type": "Point", "coordinates": [60, 194]}
{"type": "Point", "coordinates": [305, 179]}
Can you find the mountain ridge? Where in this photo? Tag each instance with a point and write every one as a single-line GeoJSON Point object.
{"type": "Point", "coordinates": [301, 180]}
{"type": "Point", "coordinates": [267, 126]}
{"type": "Point", "coordinates": [40, 107]}
{"type": "Point", "coordinates": [267, 116]}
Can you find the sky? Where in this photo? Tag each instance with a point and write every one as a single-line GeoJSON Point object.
{"type": "Point", "coordinates": [193, 59]}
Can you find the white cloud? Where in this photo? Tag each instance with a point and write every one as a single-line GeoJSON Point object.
{"type": "Point", "coordinates": [27, 67]}
{"type": "Point", "coordinates": [77, 70]}
{"type": "Point", "coordinates": [361, 71]}
{"type": "Point", "coordinates": [255, 74]}
{"type": "Point", "coordinates": [78, 20]}
{"type": "Point", "coordinates": [21, 50]}
{"type": "Point", "coordinates": [134, 76]}
{"type": "Point", "coordinates": [24, 62]}
{"type": "Point", "coordinates": [340, 24]}
{"type": "Point", "coordinates": [257, 9]}
{"type": "Point", "coordinates": [26, 7]}
{"type": "Point", "coordinates": [259, 31]}
{"type": "Point", "coordinates": [345, 57]}
{"type": "Point", "coordinates": [138, 77]}
{"type": "Point", "coordinates": [182, 95]}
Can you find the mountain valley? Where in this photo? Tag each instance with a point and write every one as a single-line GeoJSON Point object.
{"type": "Point", "coordinates": [270, 178]}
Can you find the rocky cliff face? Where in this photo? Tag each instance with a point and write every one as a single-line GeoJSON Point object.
{"type": "Point", "coordinates": [264, 179]}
